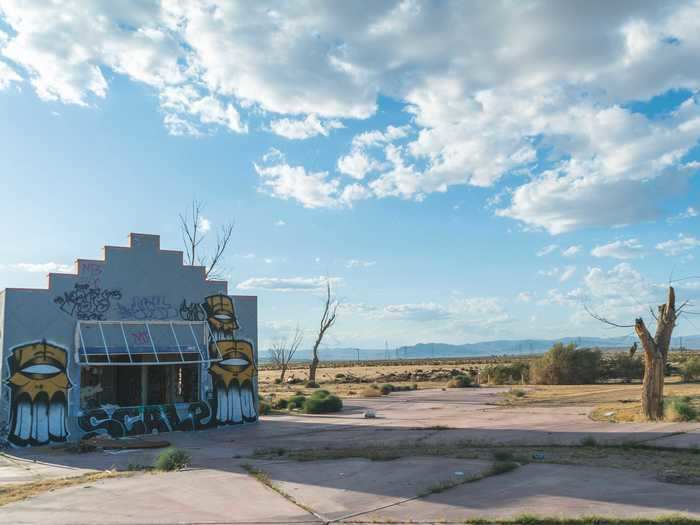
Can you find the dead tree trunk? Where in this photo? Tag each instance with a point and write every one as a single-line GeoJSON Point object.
{"type": "Point", "coordinates": [655, 356]}
{"type": "Point", "coordinates": [327, 320]}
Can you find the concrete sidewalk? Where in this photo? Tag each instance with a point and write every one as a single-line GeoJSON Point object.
{"type": "Point", "coordinates": [358, 490]}
{"type": "Point", "coordinates": [217, 489]}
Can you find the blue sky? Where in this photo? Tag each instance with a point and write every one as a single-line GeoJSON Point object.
{"type": "Point", "coordinates": [452, 196]}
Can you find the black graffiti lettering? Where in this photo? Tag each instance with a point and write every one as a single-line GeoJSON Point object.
{"type": "Point", "coordinates": [191, 312]}
{"type": "Point", "coordinates": [87, 302]}
{"type": "Point", "coordinates": [153, 307]}
{"type": "Point", "coordinates": [133, 421]}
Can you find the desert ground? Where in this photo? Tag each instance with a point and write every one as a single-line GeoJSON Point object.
{"type": "Point", "coordinates": [430, 455]}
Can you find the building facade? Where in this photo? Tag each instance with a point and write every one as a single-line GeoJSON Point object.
{"type": "Point", "coordinates": [136, 343]}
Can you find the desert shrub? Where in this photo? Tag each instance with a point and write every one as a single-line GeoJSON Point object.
{"type": "Point", "coordinates": [296, 401]}
{"type": "Point", "coordinates": [321, 393]}
{"type": "Point", "coordinates": [312, 384]}
{"type": "Point", "coordinates": [264, 408]}
{"type": "Point", "coordinates": [172, 459]}
{"type": "Point", "coordinates": [340, 376]}
{"type": "Point", "coordinates": [503, 455]}
{"type": "Point", "coordinates": [370, 391]}
{"type": "Point", "coordinates": [460, 381]}
{"type": "Point", "coordinates": [386, 389]}
{"type": "Point", "coordinates": [588, 441]}
{"type": "Point", "coordinates": [501, 467]}
{"type": "Point", "coordinates": [502, 374]}
{"type": "Point", "coordinates": [280, 404]}
{"type": "Point", "coordinates": [566, 365]}
{"type": "Point", "coordinates": [278, 381]}
{"type": "Point", "coordinates": [517, 392]}
{"type": "Point", "coordinates": [690, 370]}
{"type": "Point", "coordinates": [680, 409]}
{"type": "Point", "coordinates": [621, 365]}
{"type": "Point", "coordinates": [323, 403]}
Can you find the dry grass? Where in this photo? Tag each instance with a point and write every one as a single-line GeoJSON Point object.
{"type": "Point", "coordinates": [20, 491]}
{"type": "Point", "coordinates": [631, 456]}
{"type": "Point", "coordinates": [367, 374]}
{"type": "Point", "coordinates": [613, 402]}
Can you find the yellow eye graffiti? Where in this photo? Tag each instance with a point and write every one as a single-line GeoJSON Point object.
{"type": "Point", "coordinates": [221, 313]}
{"type": "Point", "coordinates": [39, 367]}
{"type": "Point", "coordinates": [39, 386]}
{"type": "Point", "coordinates": [237, 362]}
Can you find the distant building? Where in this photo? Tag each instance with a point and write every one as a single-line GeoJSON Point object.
{"type": "Point", "coordinates": [136, 343]}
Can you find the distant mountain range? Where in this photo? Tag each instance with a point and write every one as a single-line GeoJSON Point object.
{"type": "Point", "coordinates": [484, 348]}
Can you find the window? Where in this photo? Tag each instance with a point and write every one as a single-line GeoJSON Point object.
{"type": "Point", "coordinates": [143, 342]}
{"type": "Point", "coordinates": [138, 385]}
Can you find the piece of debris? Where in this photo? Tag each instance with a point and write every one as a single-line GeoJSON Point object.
{"type": "Point", "coordinates": [370, 414]}
{"type": "Point", "coordinates": [459, 473]}
{"type": "Point", "coordinates": [538, 455]}
{"type": "Point", "coordinates": [609, 414]}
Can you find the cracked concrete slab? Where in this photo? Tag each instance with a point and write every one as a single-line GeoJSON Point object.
{"type": "Point", "coordinates": [194, 496]}
{"type": "Point", "coordinates": [552, 491]}
{"type": "Point", "coordinates": [338, 488]}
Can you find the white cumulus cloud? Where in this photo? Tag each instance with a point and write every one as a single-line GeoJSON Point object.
{"type": "Point", "coordinates": [628, 249]}
{"type": "Point", "coordinates": [300, 129]}
{"type": "Point", "coordinates": [287, 284]}
{"type": "Point", "coordinates": [682, 244]}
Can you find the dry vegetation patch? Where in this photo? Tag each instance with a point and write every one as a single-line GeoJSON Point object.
{"type": "Point", "coordinates": [20, 491]}
{"type": "Point", "coordinates": [631, 456]}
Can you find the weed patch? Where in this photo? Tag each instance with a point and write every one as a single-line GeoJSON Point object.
{"type": "Point", "coordinates": [172, 459]}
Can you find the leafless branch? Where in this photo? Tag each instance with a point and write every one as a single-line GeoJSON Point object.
{"type": "Point", "coordinates": [189, 226]}
{"type": "Point", "coordinates": [223, 237]}
{"type": "Point", "coordinates": [604, 320]}
{"type": "Point", "coordinates": [192, 237]}
{"type": "Point", "coordinates": [283, 350]}
{"type": "Point", "coordinates": [685, 278]}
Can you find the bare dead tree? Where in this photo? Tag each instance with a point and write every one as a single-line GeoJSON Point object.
{"type": "Point", "coordinates": [328, 318]}
{"type": "Point", "coordinates": [283, 350]}
{"type": "Point", "coordinates": [193, 235]}
{"type": "Point", "coordinates": [655, 352]}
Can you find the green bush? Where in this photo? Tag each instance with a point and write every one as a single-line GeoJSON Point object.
{"type": "Point", "coordinates": [312, 384]}
{"type": "Point", "coordinates": [503, 455]}
{"type": "Point", "coordinates": [502, 467]}
{"type": "Point", "coordinates": [460, 381]}
{"type": "Point", "coordinates": [680, 409]}
{"type": "Point", "coordinates": [323, 403]}
{"type": "Point", "coordinates": [517, 392]}
{"type": "Point", "coordinates": [504, 374]}
{"type": "Point", "coordinates": [280, 404]}
{"type": "Point", "coordinates": [690, 370]}
{"type": "Point", "coordinates": [321, 393]}
{"type": "Point", "coordinates": [171, 459]}
{"type": "Point", "coordinates": [566, 365]}
{"type": "Point", "coordinates": [621, 365]}
{"type": "Point", "coordinates": [296, 401]}
{"type": "Point", "coordinates": [264, 408]}
{"type": "Point", "coordinates": [386, 389]}
{"type": "Point", "coordinates": [589, 441]}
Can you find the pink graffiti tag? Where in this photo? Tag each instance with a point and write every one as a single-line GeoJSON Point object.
{"type": "Point", "coordinates": [140, 338]}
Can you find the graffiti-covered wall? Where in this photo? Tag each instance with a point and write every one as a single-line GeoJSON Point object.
{"type": "Point", "coordinates": [40, 389]}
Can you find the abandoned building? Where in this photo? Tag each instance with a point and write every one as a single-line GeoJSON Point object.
{"type": "Point", "coordinates": [136, 343]}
